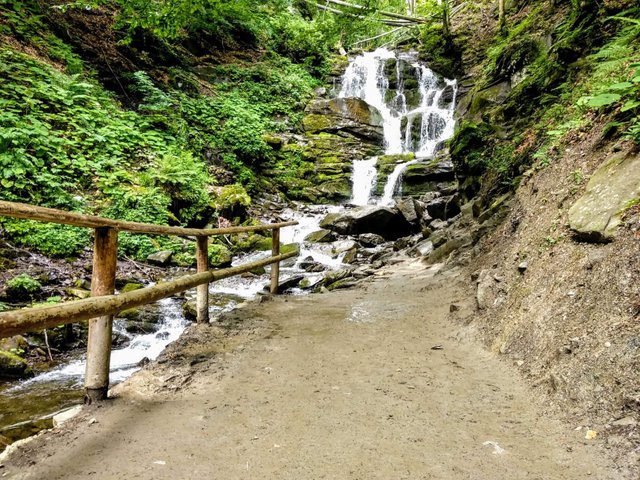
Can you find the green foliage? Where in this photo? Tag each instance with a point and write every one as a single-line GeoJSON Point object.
{"type": "Point", "coordinates": [47, 238]}
{"type": "Point", "coordinates": [58, 130]}
{"type": "Point", "coordinates": [300, 40]}
{"type": "Point", "coordinates": [231, 201]}
{"type": "Point", "coordinates": [23, 286]}
{"type": "Point", "coordinates": [615, 81]}
{"type": "Point", "coordinates": [469, 147]}
{"type": "Point", "coordinates": [184, 180]}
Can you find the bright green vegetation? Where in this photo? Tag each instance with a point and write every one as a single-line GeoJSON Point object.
{"type": "Point", "coordinates": [178, 116]}
{"type": "Point", "coordinates": [538, 92]}
{"type": "Point", "coordinates": [23, 286]}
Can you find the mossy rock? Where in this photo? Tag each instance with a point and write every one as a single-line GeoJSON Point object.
{"type": "Point", "coordinates": [316, 123]}
{"type": "Point", "coordinates": [289, 247]}
{"type": "Point", "coordinates": [245, 242]}
{"type": "Point", "coordinates": [336, 189]}
{"type": "Point", "coordinates": [219, 256]}
{"type": "Point", "coordinates": [13, 366]}
{"type": "Point", "coordinates": [384, 160]}
{"type": "Point", "coordinates": [80, 293]}
{"type": "Point", "coordinates": [130, 287]}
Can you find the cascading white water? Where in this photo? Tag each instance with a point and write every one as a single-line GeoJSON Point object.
{"type": "Point", "coordinates": [412, 123]}
{"type": "Point", "coordinates": [363, 179]}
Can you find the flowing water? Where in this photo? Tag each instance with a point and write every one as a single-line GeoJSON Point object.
{"type": "Point", "coordinates": [415, 120]}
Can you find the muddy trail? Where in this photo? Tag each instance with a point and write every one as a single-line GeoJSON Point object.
{"type": "Point", "coordinates": [383, 381]}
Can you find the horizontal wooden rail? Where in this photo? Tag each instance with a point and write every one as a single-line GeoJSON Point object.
{"type": "Point", "coordinates": [43, 214]}
{"type": "Point", "coordinates": [38, 318]}
{"type": "Point", "coordinates": [100, 308]}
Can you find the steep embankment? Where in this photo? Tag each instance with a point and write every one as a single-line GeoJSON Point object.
{"type": "Point", "coordinates": [551, 107]}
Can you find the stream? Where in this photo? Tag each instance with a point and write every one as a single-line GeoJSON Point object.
{"type": "Point", "coordinates": [415, 120]}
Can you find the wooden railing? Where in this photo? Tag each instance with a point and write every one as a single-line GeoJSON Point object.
{"type": "Point", "coordinates": [100, 308]}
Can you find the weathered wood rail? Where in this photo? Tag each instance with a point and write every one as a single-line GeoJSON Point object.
{"type": "Point", "coordinates": [103, 304]}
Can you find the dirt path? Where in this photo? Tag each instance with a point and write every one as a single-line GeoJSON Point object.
{"type": "Point", "coordinates": [346, 385]}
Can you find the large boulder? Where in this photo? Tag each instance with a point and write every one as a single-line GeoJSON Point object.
{"type": "Point", "coordinates": [410, 209]}
{"type": "Point", "coordinates": [615, 185]}
{"type": "Point", "coordinates": [443, 208]}
{"type": "Point", "coordinates": [384, 221]}
{"type": "Point", "coordinates": [350, 115]}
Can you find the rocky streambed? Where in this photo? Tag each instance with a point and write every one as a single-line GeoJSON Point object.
{"type": "Point", "coordinates": [374, 149]}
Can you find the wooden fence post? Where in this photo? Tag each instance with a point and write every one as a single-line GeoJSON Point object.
{"type": "Point", "coordinates": [275, 268]}
{"type": "Point", "coordinates": [202, 291]}
{"type": "Point", "coordinates": [99, 343]}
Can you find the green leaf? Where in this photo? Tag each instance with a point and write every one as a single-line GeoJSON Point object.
{"type": "Point", "coordinates": [603, 100]}
{"type": "Point", "coordinates": [620, 86]}
{"type": "Point", "coordinates": [6, 183]}
{"type": "Point", "coordinates": [630, 105]}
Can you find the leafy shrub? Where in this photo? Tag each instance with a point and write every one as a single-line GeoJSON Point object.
{"type": "Point", "coordinates": [23, 286]}
{"type": "Point", "coordinates": [184, 179]}
{"type": "Point", "coordinates": [47, 238]}
{"type": "Point", "coordinates": [301, 41]}
{"type": "Point", "coordinates": [615, 81]}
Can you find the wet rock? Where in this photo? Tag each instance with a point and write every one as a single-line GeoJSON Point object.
{"type": "Point", "coordinates": [13, 366]}
{"type": "Point", "coordinates": [598, 213]}
{"type": "Point", "coordinates": [335, 276]}
{"type": "Point", "coordinates": [291, 282]}
{"type": "Point", "coordinates": [161, 258]}
{"type": "Point", "coordinates": [146, 314]}
{"type": "Point", "coordinates": [421, 178]}
{"type": "Point", "coordinates": [343, 246]}
{"type": "Point", "coordinates": [320, 236]}
{"type": "Point", "coordinates": [311, 282]}
{"type": "Point", "coordinates": [140, 328]}
{"type": "Point", "coordinates": [350, 256]}
{"type": "Point", "coordinates": [310, 265]}
{"type": "Point", "coordinates": [386, 222]}
{"type": "Point", "coordinates": [350, 115]}
{"type": "Point", "coordinates": [370, 240]}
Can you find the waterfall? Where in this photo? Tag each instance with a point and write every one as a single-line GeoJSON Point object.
{"type": "Point", "coordinates": [363, 179]}
{"type": "Point", "coordinates": [417, 108]}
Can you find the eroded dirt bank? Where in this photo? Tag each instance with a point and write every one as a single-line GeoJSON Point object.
{"type": "Point", "coordinates": [377, 382]}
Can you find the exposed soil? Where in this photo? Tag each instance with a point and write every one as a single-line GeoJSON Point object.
{"type": "Point", "coordinates": [380, 381]}
{"type": "Point", "coordinates": [571, 321]}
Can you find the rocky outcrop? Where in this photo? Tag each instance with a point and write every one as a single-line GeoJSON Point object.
{"type": "Point", "coordinates": [422, 177]}
{"type": "Point", "coordinates": [387, 222]}
{"type": "Point", "coordinates": [612, 188]}
{"type": "Point", "coordinates": [350, 115]}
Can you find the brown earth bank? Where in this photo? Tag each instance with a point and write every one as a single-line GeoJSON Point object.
{"type": "Point", "coordinates": [564, 310]}
{"type": "Point", "coordinates": [383, 381]}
